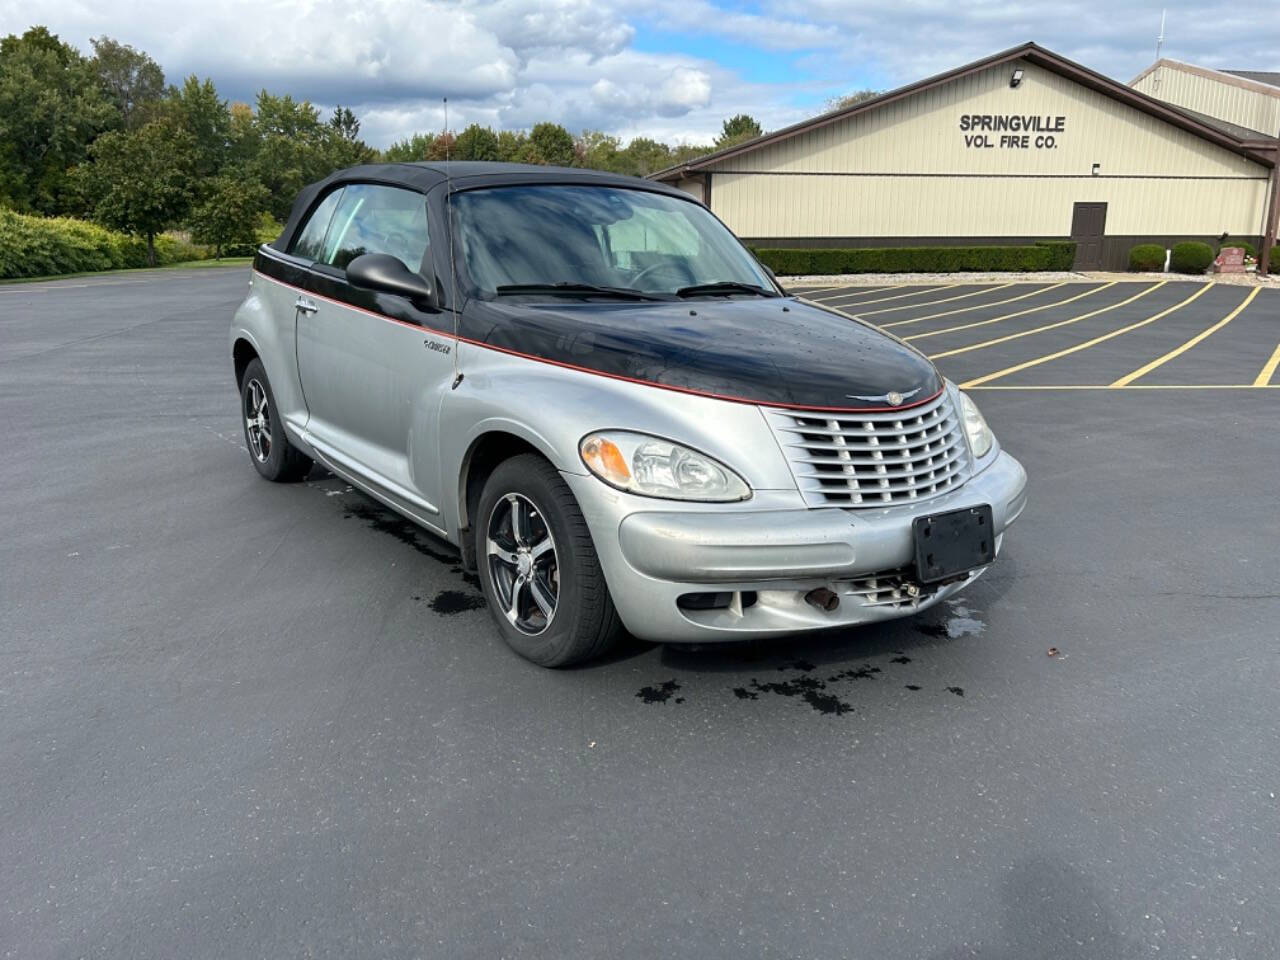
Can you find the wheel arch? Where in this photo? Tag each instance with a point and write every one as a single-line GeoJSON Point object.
{"type": "Point", "coordinates": [489, 448]}
{"type": "Point", "coordinates": [243, 353]}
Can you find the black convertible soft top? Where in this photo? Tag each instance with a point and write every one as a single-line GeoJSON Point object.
{"type": "Point", "coordinates": [463, 174]}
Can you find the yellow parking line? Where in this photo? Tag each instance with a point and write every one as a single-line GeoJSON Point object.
{"type": "Point", "coordinates": [1010, 316]}
{"type": "Point", "coordinates": [931, 303]}
{"type": "Point", "coordinates": [896, 296]}
{"type": "Point", "coordinates": [893, 286]}
{"type": "Point", "coordinates": [1268, 371]}
{"type": "Point", "coordinates": [1088, 343]}
{"type": "Point", "coordinates": [866, 287]}
{"type": "Point", "coordinates": [1178, 351]}
{"type": "Point", "coordinates": [1137, 386]}
{"type": "Point", "coordinates": [1047, 326]}
{"type": "Point", "coordinates": [977, 306]}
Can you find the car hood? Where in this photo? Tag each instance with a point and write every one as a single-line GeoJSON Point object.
{"type": "Point", "coordinates": [778, 351]}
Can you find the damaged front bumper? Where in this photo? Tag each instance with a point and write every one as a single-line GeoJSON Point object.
{"type": "Point", "coordinates": [699, 573]}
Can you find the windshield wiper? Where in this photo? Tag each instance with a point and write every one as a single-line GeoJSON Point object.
{"type": "Point", "coordinates": [724, 286]}
{"type": "Point", "coordinates": [627, 293]}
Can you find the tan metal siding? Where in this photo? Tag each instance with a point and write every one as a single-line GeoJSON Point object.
{"type": "Point", "coordinates": [764, 205]}
{"type": "Point", "coordinates": [904, 170]}
{"type": "Point", "coordinates": [1222, 99]}
{"type": "Point", "coordinates": [693, 187]}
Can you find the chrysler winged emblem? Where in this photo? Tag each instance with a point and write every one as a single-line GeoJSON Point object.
{"type": "Point", "coordinates": [893, 397]}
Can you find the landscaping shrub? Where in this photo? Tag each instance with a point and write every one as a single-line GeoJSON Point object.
{"type": "Point", "coordinates": [1146, 257]}
{"type": "Point", "coordinates": [1050, 255]}
{"type": "Point", "coordinates": [45, 246]}
{"type": "Point", "coordinates": [267, 229]}
{"type": "Point", "coordinates": [1062, 253]}
{"type": "Point", "coordinates": [1191, 257]}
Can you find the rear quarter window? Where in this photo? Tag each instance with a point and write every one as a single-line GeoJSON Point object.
{"type": "Point", "coordinates": [309, 243]}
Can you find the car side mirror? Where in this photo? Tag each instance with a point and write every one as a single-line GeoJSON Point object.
{"type": "Point", "coordinates": [387, 274]}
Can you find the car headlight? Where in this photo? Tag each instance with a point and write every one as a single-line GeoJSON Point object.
{"type": "Point", "coordinates": [654, 467]}
{"type": "Point", "coordinates": [975, 428]}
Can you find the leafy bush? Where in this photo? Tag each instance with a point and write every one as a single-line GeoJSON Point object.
{"type": "Point", "coordinates": [33, 246]}
{"type": "Point", "coordinates": [1050, 255]}
{"type": "Point", "coordinates": [1191, 257]}
{"type": "Point", "coordinates": [1062, 253]}
{"type": "Point", "coordinates": [266, 230]}
{"type": "Point", "coordinates": [1146, 257]}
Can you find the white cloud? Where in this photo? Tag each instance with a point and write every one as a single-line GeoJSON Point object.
{"type": "Point", "coordinates": [512, 63]}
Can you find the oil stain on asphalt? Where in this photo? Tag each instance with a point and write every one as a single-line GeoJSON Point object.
{"type": "Point", "coordinates": [411, 535]}
{"type": "Point", "coordinates": [394, 525]}
{"type": "Point", "coordinates": [449, 602]}
{"type": "Point", "coordinates": [815, 691]}
{"type": "Point", "coordinates": [661, 693]}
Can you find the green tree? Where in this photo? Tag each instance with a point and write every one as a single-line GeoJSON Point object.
{"type": "Point", "coordinates": [686, 152]}
{"type": "Point", "coordinates": [229, 213]}
{"type": "Point", "coordinates": [738, 129]}
{"type": "Point", "coordinates": [850, 99]}
{"type": "Point", "coordinates": [597, 150]}
{"type": "Point", "coordinates": [141, 180]}
{"type": "Point", "coordinates": [343, 144]}
{"type": "Point", "coordinates": [512, 145]}
{"type": "Point", "coordinates": [287, 148]}
{"type": "Point", "coordinates": [196, 108]}
{"type": "Point", "coordinates": [410, 150]}
{"type": "Point", "coordinates": [553, 144]}
{"type": "Point", "coordinates": [344, 123]}
{"type": "Point", "coordinates": [643, 156]}
{"type": "Point", "coordinates": [478, 143]}
{"type": "Point", "coordinates": [51, 109]}
{"type": "Point", "coordinates": [131, 79]}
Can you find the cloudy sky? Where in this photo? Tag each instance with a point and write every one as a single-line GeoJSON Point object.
{"type": "Point", "coordinates": [670, 69]}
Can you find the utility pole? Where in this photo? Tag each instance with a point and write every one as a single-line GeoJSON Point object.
{"type": "Point", "coordinates": [1269, 240]}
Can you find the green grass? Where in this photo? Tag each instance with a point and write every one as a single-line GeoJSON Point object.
{"type": "Point", "coordinates": [184, 265]}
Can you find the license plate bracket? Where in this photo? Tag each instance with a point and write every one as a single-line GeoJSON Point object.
{"type": "Point", "coordinates": [952, 543]}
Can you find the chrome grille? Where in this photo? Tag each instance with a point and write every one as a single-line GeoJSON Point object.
{"type": "Point", "coordinates": [873, 459]}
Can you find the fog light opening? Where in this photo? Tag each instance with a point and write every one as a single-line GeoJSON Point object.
{"type": "Point", "coordinates": [704, 601]}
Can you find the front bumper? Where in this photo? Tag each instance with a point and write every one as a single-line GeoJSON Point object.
{"type": "Point", "coordinates": [769, 554]}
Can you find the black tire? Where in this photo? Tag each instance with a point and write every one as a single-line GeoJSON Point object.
{"type": "Point", "coordinates": [281, 461]}
{"type": "Point", "coordinates": [584, 624]}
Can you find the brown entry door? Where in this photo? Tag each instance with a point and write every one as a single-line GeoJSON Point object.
{"type": "Point", "coordinates": [1088, 224]}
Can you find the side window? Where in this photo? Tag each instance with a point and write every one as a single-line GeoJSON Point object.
{"type": "Point", "coordinates": [310, 240]}
{"type": "Point", "coordinates": [374, 219]}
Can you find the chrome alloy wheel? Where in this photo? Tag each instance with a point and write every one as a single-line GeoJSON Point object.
{"type": "Point", "coordinates": [523, 566]}
{"type": "Point", "coordinates": [257, 421]}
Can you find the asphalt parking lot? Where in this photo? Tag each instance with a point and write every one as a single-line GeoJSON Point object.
{"type": "Point", "coordinates": [241, 719]}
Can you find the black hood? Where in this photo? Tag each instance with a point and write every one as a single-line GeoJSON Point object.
{"type": "Point", "coordinates": [771, 351]}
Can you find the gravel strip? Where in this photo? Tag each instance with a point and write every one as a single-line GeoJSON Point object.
{"type": "Point", "coordinates": [897, 279]}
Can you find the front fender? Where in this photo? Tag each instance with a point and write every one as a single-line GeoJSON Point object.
{"type": "Point", "coordinates": [552, 407]}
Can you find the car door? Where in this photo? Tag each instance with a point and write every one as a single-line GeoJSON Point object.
{"type": "Point", "coordinates": [372, 368]}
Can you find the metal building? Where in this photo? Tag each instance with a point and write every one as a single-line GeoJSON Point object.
{"type": "Point", "coordinates": [1024, 145]}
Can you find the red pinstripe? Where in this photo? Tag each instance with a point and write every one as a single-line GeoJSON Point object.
{"type": "Point", "coordinates": [599, 373]}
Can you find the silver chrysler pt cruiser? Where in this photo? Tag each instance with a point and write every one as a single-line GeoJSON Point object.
{"type": "Point", "coordinates": [590, 386]}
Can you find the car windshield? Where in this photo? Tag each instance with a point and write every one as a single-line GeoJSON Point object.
{"type": "Point", "coordinates": [603, 241]}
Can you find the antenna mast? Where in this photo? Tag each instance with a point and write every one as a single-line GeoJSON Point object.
{"type": "Point", "coordinates": [453, 268]}
{"type": "Point", "coordinates": [1155, 81]}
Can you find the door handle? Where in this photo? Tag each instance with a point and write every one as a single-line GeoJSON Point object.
{"type": "Point", "coordinates": [303, 305]}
